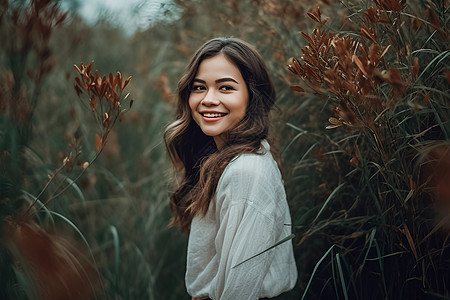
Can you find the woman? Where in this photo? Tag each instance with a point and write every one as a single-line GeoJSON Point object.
{"type": "Point", "coordinates": [230, 198]}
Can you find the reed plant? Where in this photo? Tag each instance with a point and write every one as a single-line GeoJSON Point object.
{"type": "Point", "coordinates": [381, 217]}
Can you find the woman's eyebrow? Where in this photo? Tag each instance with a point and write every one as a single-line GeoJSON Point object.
{"type": "Point", "coordinates": [225, 79]}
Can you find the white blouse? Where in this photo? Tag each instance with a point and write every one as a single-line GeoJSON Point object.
{"type": "Point", "coordinates": [248, 215]}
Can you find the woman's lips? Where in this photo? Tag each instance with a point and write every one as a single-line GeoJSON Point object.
{"type": "Point", "coordinates": [212, 116]}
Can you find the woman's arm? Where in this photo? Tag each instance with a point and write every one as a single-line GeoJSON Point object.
{"type": "Point", "coordinates": [237, 240]}
{"type": "Point", "coordinates": [249, 222]}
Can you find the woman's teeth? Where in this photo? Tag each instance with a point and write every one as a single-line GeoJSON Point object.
{"type": "Point", "coordinates": [211, 115]}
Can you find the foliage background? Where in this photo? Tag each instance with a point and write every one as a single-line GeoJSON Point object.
{"type": "Point", "coordinates": [353, 236]}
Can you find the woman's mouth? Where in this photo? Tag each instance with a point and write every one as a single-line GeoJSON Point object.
{"type": "Point", "coordinates": [212, 116]}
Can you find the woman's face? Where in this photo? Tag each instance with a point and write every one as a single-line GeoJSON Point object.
{"type": "Point", "coordinates": [219, 97]}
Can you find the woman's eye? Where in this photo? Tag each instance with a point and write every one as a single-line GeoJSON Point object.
{"type": "Point", "coordinates": [198, 88]}
{"type": "Point", "coordinates": [226, 88]}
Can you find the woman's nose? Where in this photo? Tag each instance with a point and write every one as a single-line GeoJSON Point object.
{"type": "Point", "coordinates": [211, 99]}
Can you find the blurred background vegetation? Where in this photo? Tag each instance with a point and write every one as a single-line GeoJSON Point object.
{"type": "Point", "coordinates": [83, 201]}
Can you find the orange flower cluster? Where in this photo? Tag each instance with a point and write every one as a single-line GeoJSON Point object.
{"type": "Point", "coordinates": [351, 69]}
{"type": "Point", "coordinates": [104, 97]}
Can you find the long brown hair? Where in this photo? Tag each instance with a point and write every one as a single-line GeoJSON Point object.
{"type": "Point", "coordinates": [195, 154]}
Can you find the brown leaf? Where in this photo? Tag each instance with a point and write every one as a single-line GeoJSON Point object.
{"type": "Point", "coordinates": [416, 23]}
{"type": "Point", "coordinates": [346, 113]}
{"type": "Point", "coordinates": [332, 126]}
{"type": "Point", "coordinates": [93, 102]}
{"type": "Point", "coordinates": [373, 53]}
{"type": "Point", "coordinates": [316, 15]}
{"type": "Point", "coordinates": [98, 82]}
{"type": "Point", "coordinates": [358, 62]}
{"type": "Point", "coordinates": [81, 84]}
{"type": "Point", "coordinates": [426, 98]}
{"type": "Point", "coordinates": [384, 51]}
{"type": "Point", "coordinates": [368, 35]}
{"type": "Point", "coordinates": [415, 67]}
{"type": "Point", "coordinates": [104, 88]}
{"type": "Point", "coordinates": [307, 37]}
{"type": "Point", "coordinates": [395, 78]}
{"type": "Point", "coordinates": [323, 23]}
{"type": "Point", "coordinates": [371, 14]}
{"type": "Point", "coordinates": [98, 142]}
{"type": "Point", "coordinates": [115, 96]}
{"type": "Point", "coordinates": [290, 68]}
{"type": "Point", "coordinates": [126, 81]}
{"type": "Point", "coordinates": [433, 17]}
{"type": "Point", "coordinates": [411, 243]}
{"type": "Point", "coordinates": [78, 69]}
{"type": "Point", "coordinates": [350, 88]}
{"type": "Point", "coordinates": [311, 73]}
{"type": "Point", "coordinates": [334, 121]}
{"type": "Point", "coordinates": [297, 88]}
{"type": "Point", "coordinates": [119, 80]}
{"type": "Point", "coordinates": [354, 161]}
{"type": "Point", "coordinates": [111, 78]}
{"type": "Point", "coordinates": [295, 66]}
{"type": "Point", "coordinates": [89, 68]}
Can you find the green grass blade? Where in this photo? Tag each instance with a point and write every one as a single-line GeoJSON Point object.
{"type": "Point", "coordinates": [341, 276]}
{"type": "Point", "coordinates": [334, 192]}
{"type": "Point", "coordinates": [387, 255]}
{"type": "Point", "coordinates": [438, 119]}
{"type": "Point", "coordinates": [333, 271]}
{"type": "Point", "coordinates": [441, 56]}
{"type": "Point", "coordinates": [380, 261]}
{"type": "Point", "coordinates": [75, 228]}
{"type": "Point", "coordinates": [289, 237]}
{"type": "Point", "coordinates": [315, 270]}
{"type": "Point", "coordinates": [76, 188]}
{"type": "Point", "coordinates": [371, 237]}
{"type": "Point", "coordinates": [115, 235]}
{"type": "Point", "coordinates": [292, 141]}
{"type": "Point", "coordinates": [41, 206]}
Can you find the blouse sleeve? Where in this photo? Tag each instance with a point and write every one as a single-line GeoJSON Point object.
{"type": "Point", "coordinates": [249, 223]}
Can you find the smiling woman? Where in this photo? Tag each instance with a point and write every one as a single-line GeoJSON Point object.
{"type": "Point", "coordinates": [219, 97]}
{"type": "Point", "coordinates": [231, 200]}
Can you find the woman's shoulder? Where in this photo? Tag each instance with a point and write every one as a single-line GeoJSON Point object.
{"type": "Point", "coordinates": [253, 165]}
{"type": "Point", "coordinates": [254, 180]}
